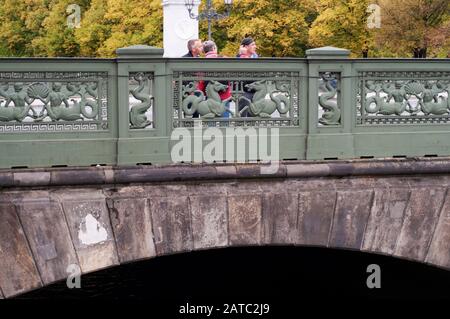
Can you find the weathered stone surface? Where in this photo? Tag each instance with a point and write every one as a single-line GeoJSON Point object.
{"type": "Point", "coordinates": [90, 228]}
{"type": "Point", "coordinates": [316, 211]}
{"type": "Point", "coordinates": [149, 174]}
{"type": "Point", "coordinates": [130, 218]}
{"type": "Point", "coordinates": [386, 220]}
{"type": "Point", "coordinates": [421, 217]}
{"type": "Point", "coordinates": [69, 176]}
{"type": "Point", "coordinates": [209, 221]}
{"type": "Point", "coordinates": [6, 179]}
{"type": "Point", "coordinates": [171, 224]}
{"type": "Point", "coordinates": [226, 171]}
{"type": "Point", "coordinates": [1, 294]}
{"type": "Point", "coordinates": [395, 215]}
{"type": "Point", "coordinates": [244, 215]}
{"type": "Point", "coordinates": [280, 215]}
{"type": "Point", "coordinates": [18, 272]}
{"type": "Point", "coordinates": [46, 229]}
{"type": "Point", "coordinates": [439, 251]}
{"type": "Point", "coordinates": [350, 218]}
{"type": "Point", "coordinates": [31, 178]}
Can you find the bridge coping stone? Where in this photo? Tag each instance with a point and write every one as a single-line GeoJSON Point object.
{"type": "Point", "coordinates": [71, 176]}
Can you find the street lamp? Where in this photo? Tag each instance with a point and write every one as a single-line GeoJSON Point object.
{"type": "Point", "coordinates": [210, 13]}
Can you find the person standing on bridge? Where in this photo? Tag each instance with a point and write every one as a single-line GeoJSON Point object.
{"type": "Point", "coordinates": [247, 50]}
{"type": "Point", "coordinates": [210, 50]}
{"type": "Point", "coordinates": [195, 48]}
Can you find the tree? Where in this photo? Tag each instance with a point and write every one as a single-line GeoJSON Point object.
{"type": "Point", "coordinates": [414, 27]}
{"type": "Point", "coordinates": [343, 24]}
{"type": "Point", "coordinates": [132, 22]}
{"type": "Point", "coordinates": [57, 37]}
{"type": "Point", "coordinates": [278, 26]}
{"type": "Point", "coordinates": [94, 30]}
{"type": "Point", "coordinates": [20, 23]}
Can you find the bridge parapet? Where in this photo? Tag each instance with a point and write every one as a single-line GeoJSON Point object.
{"type": "Point", "coordinates": [81, 112]}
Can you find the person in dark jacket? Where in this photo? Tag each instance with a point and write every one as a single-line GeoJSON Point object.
{"type": "Point", "coordinates": [195, 48]}
{"type": "Point", "coordinates": [247, 50]}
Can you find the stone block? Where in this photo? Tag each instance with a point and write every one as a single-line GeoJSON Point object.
{"type": "Point", "coordinates": [31, 178]}
{"type": "Point", "coordinates": [244, 219]}
{"type": "Point", "coordinates": [6, 179]}
{"type": "Point", "coordinates": [47, 232]}
{"type": "Point", "coordinates": [386, 220]}
{"type": "Point", "coordinates": [350, 218]}
{"type": "Point", "coordinates": [421, 217]}
{"type": "Point", "coordinates": [209, 221]}
{"type": "Point", "coordinates": [18, 272]}
{"type": "Point", "coordinates": [67, 176]}
{"type": "Point", "coordinates": [90, 228]}
{"type": "Point", "coordinates": [439, 251]}
{"type": "Point", "coordinates": [316, 209]}
{"type": "Point", "coordinates": [171, 223]}
{"type": "Point", "coordinates": [280, 215]}
{"type": "Point", "coordinates": [130, 218]}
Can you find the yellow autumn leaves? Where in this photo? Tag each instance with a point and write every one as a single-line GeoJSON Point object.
{"type": "Point", "coordinates": [283, 28]}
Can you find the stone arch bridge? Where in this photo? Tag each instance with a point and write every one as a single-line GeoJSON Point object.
{"type": "Point", "coordinates": [100, 217]}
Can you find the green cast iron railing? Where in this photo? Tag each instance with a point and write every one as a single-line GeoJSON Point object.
{"type": "Point", "coordinates": [127, 111]}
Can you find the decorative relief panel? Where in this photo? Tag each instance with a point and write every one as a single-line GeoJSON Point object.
{"type": "Point", "coordinates": [53, 101]}
{"type": "Point", "coordinates": [222, 99]}
{"type": "Point", "coordinates": [329, 96]}
{"type": "Point", "coordinates": [387, 98]}
{"type": "Point", "coordinates": [141, 100]}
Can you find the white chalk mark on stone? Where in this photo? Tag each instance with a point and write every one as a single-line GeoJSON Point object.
{"type": "Point", "coordinates": [91, 232]}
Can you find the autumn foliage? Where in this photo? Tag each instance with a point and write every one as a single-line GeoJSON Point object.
{"type": "Point", "coordinates": [282, 28]}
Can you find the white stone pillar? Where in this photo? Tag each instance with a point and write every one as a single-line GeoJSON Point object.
{"type": "Point", "coordinates": [178, 27]}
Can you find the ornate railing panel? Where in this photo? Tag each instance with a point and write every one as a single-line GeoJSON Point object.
{"type": "Point", "coordinates": [53, 101]}
{"type": "Point", "coordinates": [387, 98]}
{"type": "Point", "coordinates": [141, 100]}
{"type": "Point", "coordinates": [329, 98]}
{"type": "Point", "coordinates": [255, 99]}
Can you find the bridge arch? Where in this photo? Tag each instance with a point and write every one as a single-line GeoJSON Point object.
{"type": "Point", "coordinates": [103, 216]}
{"type": "Point", "coordinates": [278, 274]}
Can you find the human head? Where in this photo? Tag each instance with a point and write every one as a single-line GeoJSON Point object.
{"type": "Point", "coordinates": [195, 47]}
{"type": "Point", "coordinates": [209, 46]}
{"type": "Point", "coordinates": [250, 45]}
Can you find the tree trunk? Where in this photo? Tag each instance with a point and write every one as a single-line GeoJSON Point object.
{"type": "Point", "coordinates": [420, 53]}
{"type": "Point", "coordinates": [365, 54]}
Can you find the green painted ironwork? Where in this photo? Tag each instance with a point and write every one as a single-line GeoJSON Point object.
{"type": "Point", "coordinates": [80, 112]}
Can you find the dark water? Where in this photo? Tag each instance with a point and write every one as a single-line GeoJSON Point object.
{"type": "Point", "coordinates": [258, 274]}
